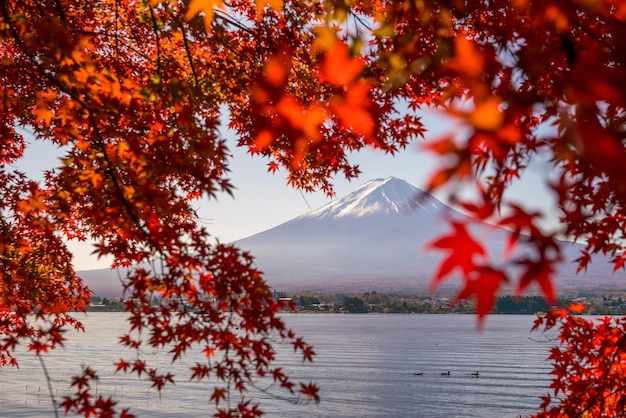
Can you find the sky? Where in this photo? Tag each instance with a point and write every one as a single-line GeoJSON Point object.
{"type": "Point", "coordinates": [263, 200]}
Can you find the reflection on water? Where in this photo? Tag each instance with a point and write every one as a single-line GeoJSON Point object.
{"type": "Point", "coordinates": [366, 366]}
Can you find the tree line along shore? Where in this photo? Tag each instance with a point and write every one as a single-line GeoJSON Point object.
{"type": "Point", "coordinates": [597, 302]}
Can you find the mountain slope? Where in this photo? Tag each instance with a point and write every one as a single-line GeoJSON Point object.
{"type": "Point", "coordinates": [362, 237]}
{"type": "Point", "coordinates": [375, 237]}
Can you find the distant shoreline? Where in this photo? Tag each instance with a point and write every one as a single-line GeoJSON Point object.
{"type": "Point", "coordinates": [596, 302]}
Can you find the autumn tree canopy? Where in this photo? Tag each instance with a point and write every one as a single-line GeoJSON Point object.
{"type": "Point", "coordinates": [133, 92]}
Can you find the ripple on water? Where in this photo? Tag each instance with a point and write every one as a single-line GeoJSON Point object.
{"type": "Point", "coordinates": [365, 368]}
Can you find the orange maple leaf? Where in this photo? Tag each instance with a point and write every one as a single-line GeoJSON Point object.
{"type": "Point", "coordinates": [45, 115]}
{"type": "Point", "coordinates": [339, 67]}
{"type": "Point", "coordinates": [352, 110]}
{"type": "Point", "coordinates": [577, 307]}
{"type": "Point", "coordinates": [468, 59]}
{"type": "Point", "coordinates": [276, 69]}
{"type": "Point", "coordinates": [263, 140]}
{"type": "Point", "coordinates": [487, 115]}
{"type": "Point", "coordinates": [260, 6]}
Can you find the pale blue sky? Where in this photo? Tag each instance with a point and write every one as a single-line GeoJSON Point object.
{"type": "Point", "coordinates": [263, 200]}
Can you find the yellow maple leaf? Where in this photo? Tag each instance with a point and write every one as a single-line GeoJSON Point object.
{"type": "Point", "coordinates": [325, 38]}
{"type": "Point", "coordinates": [206, 7]}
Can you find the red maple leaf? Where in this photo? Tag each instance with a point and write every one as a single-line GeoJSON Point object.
{"type": "Point", "coordinates": [541, 273]}
{"type": "Point", "coordinates": [461, 248]}
{"type": "Point", "coordinates": [484, 286]}
{"type": "Point", "coordinates": [218, 395]}
{"type": "Point", "coordinates": [310, 390]}
{"type": "Point", "coordinates": [121, 365]}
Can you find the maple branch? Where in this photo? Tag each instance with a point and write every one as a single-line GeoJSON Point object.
{"type": "Point", "coordinates": [5, 110]}
{"type": "Point", "coordinates": [266, 391]}
{"type": "Point", "coordinates": [189, 55]}
{"type": "Point", "coordinates": [158, 41]}
{"type": "Point", "coordinates": [590, 405]}
{"type": "Point", "coordinates": [359, 19]}
{"type": "Point", "coordinates": [591, 34]}
{"type": "Point", "coordinates": [46, 74]}
{"type": "Point", "coordinates": [60, 9]}
{"type": "Point", "coordinates": [613, 359]}
{"type": "Point", "coordinates": [228, 19]}
{"type": "Point", "coordinates": [227, 360]}
{"type": "Point", "coordinates": [99, 140]}
{"type": "Point", "coordinates": [39, 7]}
{"type": "Point", "coordinates": [49, 382]}
{"type": "Point", "coordinates": [116, 36]}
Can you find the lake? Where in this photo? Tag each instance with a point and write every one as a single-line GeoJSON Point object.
{"type": "Point", "coordinates": [365, 367]}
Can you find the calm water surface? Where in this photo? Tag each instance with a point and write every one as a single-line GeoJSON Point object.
{"type": "Point", "coordinates": [365, 367]}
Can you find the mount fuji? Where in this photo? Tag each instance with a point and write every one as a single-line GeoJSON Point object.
{"type": "Point", "coordinates": [375, 238]}
{"type": "Point", "coordinates": [374, 234]}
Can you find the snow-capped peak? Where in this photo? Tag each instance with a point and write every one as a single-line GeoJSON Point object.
{"type": "Point", "coordinates": [378, 196]}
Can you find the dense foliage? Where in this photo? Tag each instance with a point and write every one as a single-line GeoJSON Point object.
{"type": "Point", "coordinates": [134, 92]}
